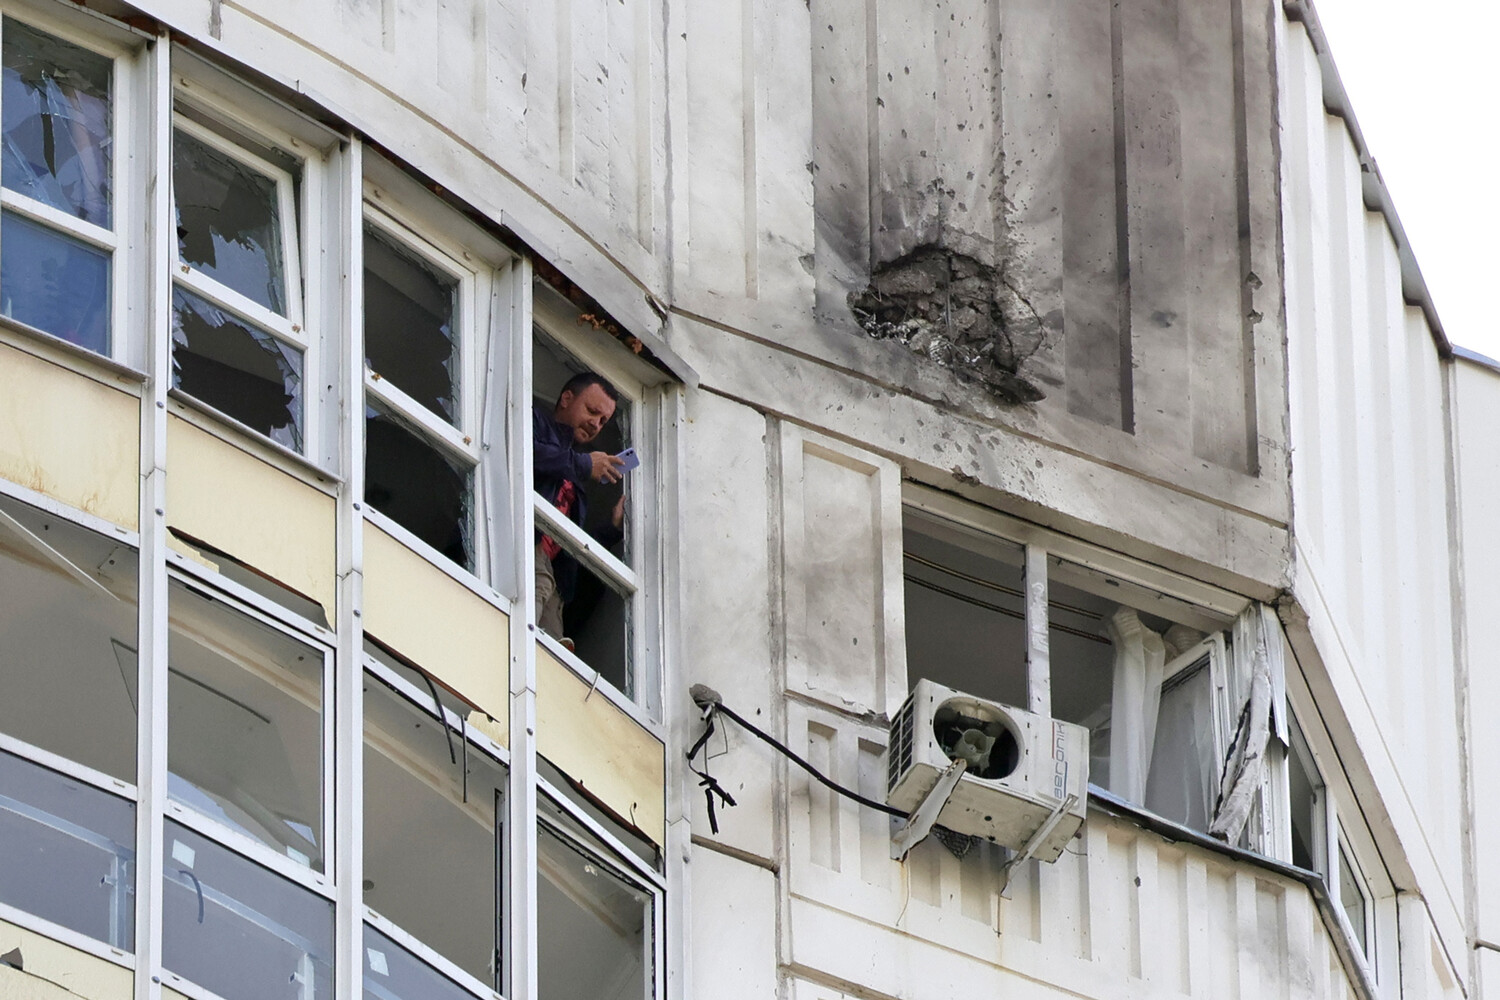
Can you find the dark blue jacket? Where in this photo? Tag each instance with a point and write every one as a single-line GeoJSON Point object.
{"type": "Point", "coordinates": [553, 461]}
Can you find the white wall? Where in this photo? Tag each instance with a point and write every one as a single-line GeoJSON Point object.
{"type": "Point", "coordinates": [1370, 502]}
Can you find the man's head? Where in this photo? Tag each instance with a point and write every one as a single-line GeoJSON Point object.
{"type": "Point", "coordinates": [585, 404]}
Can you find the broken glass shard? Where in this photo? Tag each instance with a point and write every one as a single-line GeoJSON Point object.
{"type": "Point", "coordinates": [228, 221]}
{"type": "Point", "coordinates": [54, 283]}
{"type": "Point", "coordinates": [237, 368]}
{"type": "Point", "coordinates": [412, 482]}
{"type": "Point", "coordinates": [410, 316]}
{"type": "Point", "coordinates": [56, 123]}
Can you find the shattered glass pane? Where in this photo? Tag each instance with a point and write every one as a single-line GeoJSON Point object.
{"type": "Point", "coordinates": [56, 123]}
{"type": "Point", "coordinates": [69, 852]}
{"type": "Point", "coordinates": [411, 310]}
{"type": "Point", "coordinates": [228, 221]}
{"type": "Point", "coordinates": [238, 929]}
{"type": "Point", "coordinates": [411, 481]}
{"type": "Point", "coordinates": [54, 283]}
{"type": "Point", "coordinates": [237, 368]}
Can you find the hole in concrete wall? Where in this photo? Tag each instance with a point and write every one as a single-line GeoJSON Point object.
{"type": "Point", "coordinates": [959, 312]}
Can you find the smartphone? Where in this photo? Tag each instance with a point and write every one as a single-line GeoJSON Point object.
{"type": "Point", "coordinates": [631, 459]}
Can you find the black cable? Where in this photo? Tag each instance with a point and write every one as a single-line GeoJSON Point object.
{"type": "Point", "coordinates": [442, 717]}
{"type": "Point", "coordinates": [710, 700]}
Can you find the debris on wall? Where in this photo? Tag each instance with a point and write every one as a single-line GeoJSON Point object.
{"type": "Point", "coordinates": [957, 311]}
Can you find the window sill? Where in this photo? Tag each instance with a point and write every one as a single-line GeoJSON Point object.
{"type": "Point", "coordinates": [56, 350]}
{"type": "Point", "coordinates": [249, 440]}
{"type": "Point", "coordinates": [1351, 956]}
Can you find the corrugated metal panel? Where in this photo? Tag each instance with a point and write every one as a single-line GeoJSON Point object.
{"type": "Point", "coordinates": [1369, 475]}
{"type": "Point", "coordinates": [1123, 913]}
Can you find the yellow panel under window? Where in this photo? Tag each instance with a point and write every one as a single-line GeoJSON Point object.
{"type": "Point", "coordinates": [50, 966]}
{"type": "Point", "coordinates": [68, 436]}
{"type": "Point", "coordinates": [262, 517]}
{"type": "Point", "coordinates": [440, 625]}
{"type": "Point", "coordinates": [599, 746]}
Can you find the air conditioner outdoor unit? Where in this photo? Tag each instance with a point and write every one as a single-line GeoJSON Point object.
{"type": "Point", "coordinates": [1021, 771]}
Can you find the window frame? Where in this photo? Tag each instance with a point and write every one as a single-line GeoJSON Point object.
{"type": "Point", "coordinates": [641, 398]}
{"type": "Point", "coordinates": [127, 203]}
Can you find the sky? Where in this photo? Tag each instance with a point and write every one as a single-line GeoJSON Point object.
{"type": "Point", "coordinates": [1424, 82]}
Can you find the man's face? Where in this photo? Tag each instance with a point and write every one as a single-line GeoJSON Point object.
{"type": "Point", "coordinates": [586, 412]}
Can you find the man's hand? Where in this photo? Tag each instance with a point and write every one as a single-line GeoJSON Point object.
{"type": "Point", "coordinates": [606, 467]}
{"type": "Point", "coordinates": [618, 516]}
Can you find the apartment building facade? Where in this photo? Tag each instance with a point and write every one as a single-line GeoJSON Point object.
{"type": "Point", "coordinates": [1067, 356]}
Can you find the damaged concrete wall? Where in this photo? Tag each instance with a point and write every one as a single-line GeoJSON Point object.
{"type": "Point", "coordinates": [1087, 172]}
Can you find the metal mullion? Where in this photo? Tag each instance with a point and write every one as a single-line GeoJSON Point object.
{"type": "Point", "coordinates": [582, 546]}
{"type": "Point", "coordinates": [69, 767]}
{"type": "Point", "coordinates": [243, 308]}
{"type": "Point", "coordinates": [521, 830]}
{"type": "Point", "coordinates": [460, 444]}
{"type": "Point", "coordinates": [151, 639]}
{"type": "Point", "coordinates": [348, 842]}
{"type": "Point", "coordinates": [428, 955]}
{"type": "Point", "coordinates": [90, 233]}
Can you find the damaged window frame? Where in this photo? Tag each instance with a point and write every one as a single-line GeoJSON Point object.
{"type": "Point", "coordinates": [125, 204]}
{"type": "Point", "coordinates": [640, 404]}
{"type": "Point", "coordinates": [193, 110]}
{"type": "Point", "coordinates": [411, 217]}
{"type": "Point", "coordinates": [1339, 832]}
{"type": "Point", "coordinates": [1044, 550]}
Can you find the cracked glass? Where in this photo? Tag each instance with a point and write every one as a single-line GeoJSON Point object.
{"type": "Point", "coordinates": [411, 312]}
{"type": "Point", "coordinates": [411, 481]}
{"type": "Point", "coordinates": [228, 221]}
{"type": "Point", "coordinates": [55, 115]}
{"type": "Point", "coordinates": [54, 283]}
{"type": "Point", "coordinates": [237, 368]}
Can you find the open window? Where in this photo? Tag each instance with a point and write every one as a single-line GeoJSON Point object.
{"type": "Point", "coordinates": [434, 859]}
{"type": "Point", "coordinates": [58, 169]}
{"type": "Point", "coordinates": [591, 552]}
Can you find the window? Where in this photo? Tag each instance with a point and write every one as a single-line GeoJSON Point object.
{"type": "Point", "coordinates": [597, 920]}
{"type": "Point", "coordinates": [433, 835]}
{"type": "Point", "coordinates": [593, 553]}
{"type": "Point", "coordinates": [431, 332]}
{"type": "Point", "coordinates": [58, 230]}
{"type": "Point", "coordinates": [238, 339]}
{"type": "Point", "coordinates": [1143, 671]}
{"type": "Point", "coordinates": [67, 724]}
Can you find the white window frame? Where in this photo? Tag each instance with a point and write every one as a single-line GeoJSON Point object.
{"type": "Point", "coordinates": [291, 329]}
{"type": "Point", "coordinates": [641, 404]}
{"type": "Point", "coordinates": [457, 726]}
{"type": "Point", "coordinates": [126, 203]}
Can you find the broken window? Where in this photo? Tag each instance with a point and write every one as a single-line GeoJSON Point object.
{"type": "Point", "coordinates": [237, 368]}
{"type": "Point", "coordinates": [56, 235]}
{"type": "Point", "coordinates": [427, 783]}
{"type": "Point", "coordinates": [411, 313]}
{"type": "Point", "coordinates": [597, 929]}
{"type": "Point", "coordinates": [237, 928]}
{"type": "Point", "coordinates": [415, 483]}
{"type": "Point", "coordinates": [586, 556]}
{"type": "Point", "coordinates": [421, 307]}
{"type": "Point", "coordinates": [69, 852]}
{"type": "Point", "coordinates": [1143, 671]}
{"type": "Point", "coordinates": [237, 339]}
{"type": "Point", "coordinates": [68, 671]}
{"type": "Point", "coordinates": [245, 743]}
